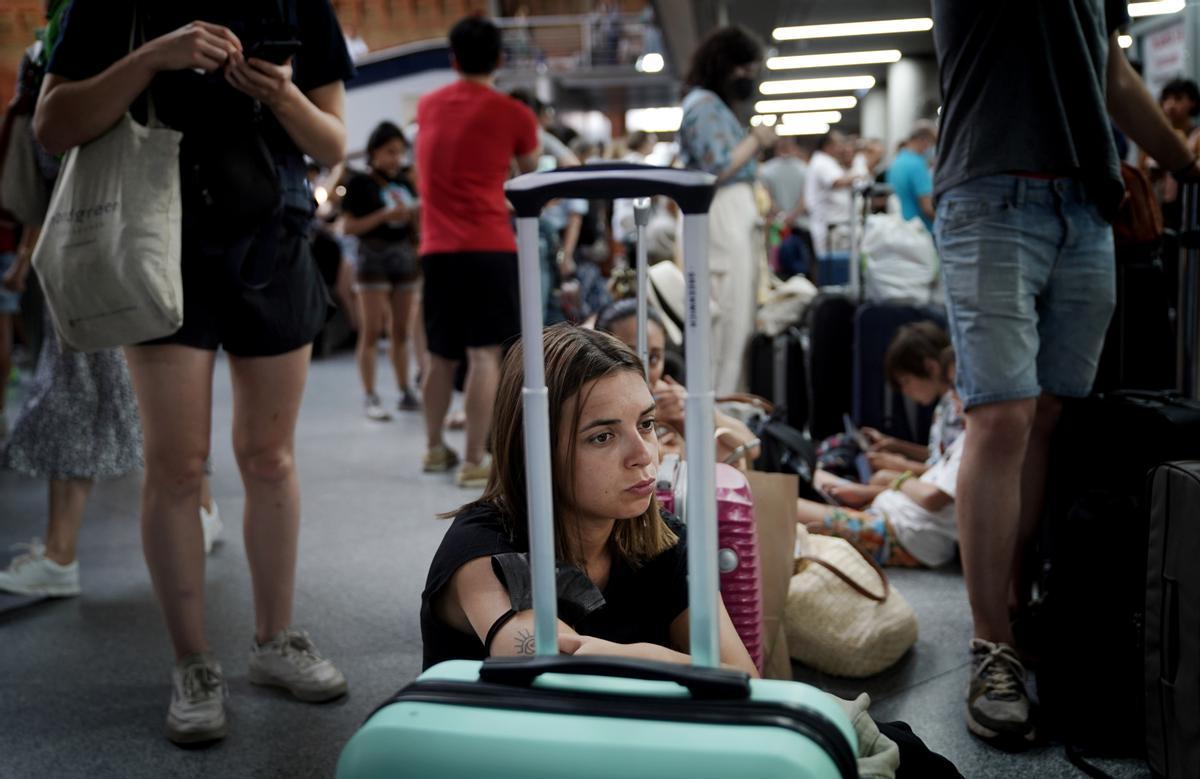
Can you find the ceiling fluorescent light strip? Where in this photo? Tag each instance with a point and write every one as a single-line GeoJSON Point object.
{"type": "Point", "coordinates": [839, 103]}
{"type": "Point", "coordinates": [813, 117]}
{"type": "Point", "coordinates": [801, 129]}
{"type": "Point", "coordinates": [851, 29]}
{"type": "Point", "coordinates": [833, 60]}
{"type": "Point", "coordinates": [1156, 8]}
{"type": "Point", "coordinates": [796, 85]}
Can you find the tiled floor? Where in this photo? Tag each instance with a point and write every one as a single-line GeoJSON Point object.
{"type": "Point", "coordinates": [84, 682]}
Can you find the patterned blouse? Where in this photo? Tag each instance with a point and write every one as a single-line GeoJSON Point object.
{"type": "Point", "coordinates": [708, 135]}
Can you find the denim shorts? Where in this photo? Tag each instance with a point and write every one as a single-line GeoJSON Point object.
{"type": "Point", "coordinates": [10, 302]}
{"type": "Point", "coordinates": [1030, 286]}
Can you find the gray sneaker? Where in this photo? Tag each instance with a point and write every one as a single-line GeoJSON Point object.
{"type": "Point", "coordinates": [998, 707]}
{"type": "Point", "coordinates": [197, 710]}
{"type": "Point", "coordinates": [291, 661]}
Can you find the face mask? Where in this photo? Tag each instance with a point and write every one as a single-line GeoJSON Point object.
{"type": "Point", "coordinates": [742, 87]}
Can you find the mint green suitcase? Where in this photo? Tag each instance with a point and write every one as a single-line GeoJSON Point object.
{"type": "Point", "coordinates": [549, 716]}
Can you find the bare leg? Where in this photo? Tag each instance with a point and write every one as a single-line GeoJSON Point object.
{"type": "Point", "coordinates": [812, 514]}
{"type": "Point", "coordinates": [483, 378]}
{"type": "Point", "coordinates": [438, 390]}
{"type": "Point", "coordinates": [68, 499]}
{"type": "Point", "coordinates": [174, 390]}
{"type": "Point", "coordinates": [371, 305]}
{"type": "Point", "coordinates": [347, 297]}
{"type": "Point", "coordinates": [417, 327]}
{"type": "Point", "coordinates": [266, 404]}
{"type": "Point", "coordinates": [402, 307]}
{"type": "Point", "coordinates": [988, 508]}
{"type": "Point", "coordinates": [1033, 482]}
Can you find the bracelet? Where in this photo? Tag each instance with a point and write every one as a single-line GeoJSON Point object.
{"type": "Point", "coordinates": [495, 628]}
{"type": "Point", "coordinates": [899, 480]}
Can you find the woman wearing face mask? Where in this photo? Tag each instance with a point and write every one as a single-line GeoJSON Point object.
{"type": "Point", "coordinates": [722, 78]}
{"type": "Point", "coordinates": [381, 209]}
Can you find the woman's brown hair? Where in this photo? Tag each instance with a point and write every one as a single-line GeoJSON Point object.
{"type": "Point", "coordinates": [574, 357]}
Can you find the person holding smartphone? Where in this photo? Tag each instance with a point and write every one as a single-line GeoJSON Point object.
{"type": "Point", "coordinates": [250, 286]}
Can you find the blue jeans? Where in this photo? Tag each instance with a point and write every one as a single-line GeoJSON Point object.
{"type": "Point", "coordinates": [10, 302]}
{"type": "Point", "coordinates": [1030, 286]}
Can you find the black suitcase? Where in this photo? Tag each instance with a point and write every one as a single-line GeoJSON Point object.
{"type": "Point", "coordinates": [1173, 621]}
{"type": "Point", "coordinates": [875, 402]}
{"type": "Point", "coordinates": [778, 373]}
{"type": "Point", "coordinates": [1085, 622]}
{"type": "Point", "coordinates": [1139, 348]}
{"type": "Point", "coordinates": [830, 320]}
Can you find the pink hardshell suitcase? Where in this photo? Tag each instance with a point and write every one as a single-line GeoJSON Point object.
{"type": "Point", "coordinates": [737, 542]}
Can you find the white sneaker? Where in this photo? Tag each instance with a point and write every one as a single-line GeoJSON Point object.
{"type": "Point", "coordinates": [289, 660]}
{"type": "Point", "coordinates": [375, 410]}
{"type": "Point", "coordinates": [210, 522]}
{"type": "Point", "coordinates": [35, 574]}
{"type": "Point", "coordinates": [197, 711]}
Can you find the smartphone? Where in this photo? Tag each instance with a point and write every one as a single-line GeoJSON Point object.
{"type": "Point", "coordinates": [854, 433]}
{"type": "Point", "coordinates": [276, 52]}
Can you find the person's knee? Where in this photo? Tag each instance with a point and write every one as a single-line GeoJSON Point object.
{"type": "Point", "coordinates": [1049, 409]}
{"type": "Point", "coordinates": [1001, 426]}
{"type": "Point", "coordinates": [483, 357]}
{"type": "Point", "coordinates": [175, 472]}
{"type": "Point", "coordinates": [265, 463]}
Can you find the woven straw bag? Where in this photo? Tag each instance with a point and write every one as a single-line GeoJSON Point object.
{"type": "Point", "coordinates": [842, 616]}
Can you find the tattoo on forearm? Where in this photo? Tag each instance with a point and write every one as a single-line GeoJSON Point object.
{"type": "Point", "coordinates": [525, 643]}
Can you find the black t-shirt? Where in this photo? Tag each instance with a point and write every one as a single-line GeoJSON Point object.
{"type": "Point", "coordinates": [366, 193]}
{"type": "Point", "coordinates": [96, 33]}
{"type": "Point", "coordinates": [640, 603]}
{"type": "Point", "coordinates": [1023, 88]}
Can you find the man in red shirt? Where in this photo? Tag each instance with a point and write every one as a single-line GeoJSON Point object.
{"type": "Point", "coordinates": [469, 135]}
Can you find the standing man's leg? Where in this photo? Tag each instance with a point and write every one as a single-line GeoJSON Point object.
{"type": "Point", "coordinates": [483, 377]}
{"type": "Point", "coordinates": [443, 310]}
{"type": "Point", "coordinates": [403, 302]}
{"type": "Point", "coordinates": [998, 237]}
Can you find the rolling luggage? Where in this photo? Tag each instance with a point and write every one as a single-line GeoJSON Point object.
{"type": "Point", "coordinates": [778, 373]}
{"type": "Point", "coordinates": [1092, 581]}
{"type": "Point", "coordinates": [1172, 672]}
{"type": "Point", "coordinates": [737, 544]}
{"type": "Point", "coordinates": [830, 320]}
{"type": "Point", "coordinates": [550, 716]}
{"type": "Point", "coordinates": [875, 402]}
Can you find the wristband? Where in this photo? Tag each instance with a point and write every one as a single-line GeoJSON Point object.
{"type": "Point", "coordinates": [899, 480]}
{"type": "Point", "coordinates": [495, 628]}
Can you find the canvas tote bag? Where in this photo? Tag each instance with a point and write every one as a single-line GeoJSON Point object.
{"type": "Point", "coordinates": [109, 254]}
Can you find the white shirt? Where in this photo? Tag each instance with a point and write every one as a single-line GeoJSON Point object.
{"type": "Point", "coordinates": [784, 177]}
{"type": "Point", "coordinates": [826, 205]}
{"type": "Point", "coordinates": [930, 536]}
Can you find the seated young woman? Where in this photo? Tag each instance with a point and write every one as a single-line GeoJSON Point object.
{"type": "Point", "coordinates": [622, 563]}
{"type": "Point", "coordinates": [735, 442]}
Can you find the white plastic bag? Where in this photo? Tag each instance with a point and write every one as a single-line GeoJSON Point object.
{"type": "Point", "coordinates": [901, 261]}
{"type": "Point", "coordinates": [109, 254]}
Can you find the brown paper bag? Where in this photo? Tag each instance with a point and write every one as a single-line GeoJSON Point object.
{"type": "Point", "coordinates": [775, 515]}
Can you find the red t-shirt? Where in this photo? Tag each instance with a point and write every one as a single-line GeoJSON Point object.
{"type": "Point", "coordinates": [467, 136]}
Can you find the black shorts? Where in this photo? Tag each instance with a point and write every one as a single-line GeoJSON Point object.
{"type": "Point", "coordinates": [222, 310]}
{"type": "Point", "coordinates": [470, 299]}
{"type": "Point", "coordinates": [387, 265]}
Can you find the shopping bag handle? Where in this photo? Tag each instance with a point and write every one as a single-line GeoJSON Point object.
{"type": "Point", "coordinates": [691, 190]}
{"type": "Point", "coordinates": [845, 577]}
{"type": "Point", "coordinates": [702, 682]}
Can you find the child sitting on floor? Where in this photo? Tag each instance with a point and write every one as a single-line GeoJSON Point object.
{"type": "Point", "coordinates": [908, 518]}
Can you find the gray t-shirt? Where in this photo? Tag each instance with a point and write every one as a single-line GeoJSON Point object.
{"type": "Point", "coordinates": [1023, 86]}
{"type": "Point", "coordinates": [784, 178]}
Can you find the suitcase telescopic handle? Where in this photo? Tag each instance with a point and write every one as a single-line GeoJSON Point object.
{"type": "Point", "coordinates": [692, 190]}
{"type": "Point", "coordinates": [704, 683]}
